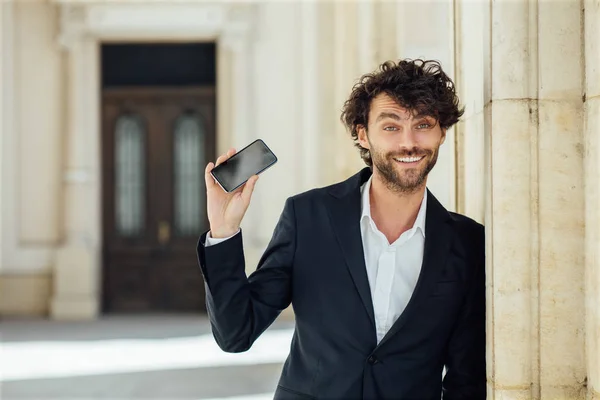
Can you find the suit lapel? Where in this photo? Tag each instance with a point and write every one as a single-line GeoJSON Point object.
{"type": "Point", "coordinates": [344, 210]}
{"type": "Point", "coordinates": [438, 240]}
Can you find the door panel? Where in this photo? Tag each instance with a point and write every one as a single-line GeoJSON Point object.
{"type": "Point", "coordinates": [156, 144]}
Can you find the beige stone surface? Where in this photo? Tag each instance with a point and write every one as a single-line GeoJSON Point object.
{"type": "Point", "coordinates": [470, 65]}
{"type": "Point", "coordinates": [471, 166]}
{"type": "Point", "coordinates": [470, 27]}
{"type": "Point", "coordinates": [386, 30]}
{"type": "Point", "coordinates": [561, 256]}
{"type": "Point", "coordinates": [25, 294]}
{"type": "Point", "coordinates": [74, 308]}
{"type": "Point", "coordinates": [39, 121]}
{"type": "Point", "coordinates": [511, 50]}
{"type": "Point", "coordinates": [571, 392]}
{"type": "Point", "coordinates": [560, 60]}
{"type": "Point", "coordinates": [592, 185]}
{"type": "Point", "coordinates": [2, 129]}
{"type": "Point", "coordinates": [592, 47]}
{"type": "Point", "coordinates": [75, 285]}
{"type": "Point", "coordinates": [592, 244]}
{"type": "Point", "coordinates": [278, 116]}
{"type": "Point", "coordinates": [536, 204]}
{"type": "Point", "coordinates": [512, 259]}
{"type": "Point", "coordinates": [516, 393]}
{"type": "Point", "coordinates": [549, 393]}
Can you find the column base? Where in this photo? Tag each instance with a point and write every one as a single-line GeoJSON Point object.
{"type": "Point", "coordinates": [74, 308]}
{"type": "Point", "coordinates": [75, 294]}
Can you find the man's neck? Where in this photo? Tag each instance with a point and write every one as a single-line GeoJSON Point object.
{"type": "Point", "coordinates": [393, 213]}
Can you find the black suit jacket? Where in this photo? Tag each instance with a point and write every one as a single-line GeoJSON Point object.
{"type": "Point", "coordinates": [315, 261]}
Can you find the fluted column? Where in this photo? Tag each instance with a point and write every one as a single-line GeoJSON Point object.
{"type": "Point", "coordinates": [3, 57]}
{"type": "Point", "coordinates": [474, 91]}
{"type": "Point", "coordinates": [347, 70]}
{"type": "Point", "coordinates": [592, 194]}
{"type": "Point", "coordinates": [532, 118]}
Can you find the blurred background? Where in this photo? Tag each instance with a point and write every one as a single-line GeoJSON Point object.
{"type": "Point", "coordinates": [110, 110]}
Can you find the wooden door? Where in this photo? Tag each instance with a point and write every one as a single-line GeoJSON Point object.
{"type": "Point", "coordinates": [155, 144]}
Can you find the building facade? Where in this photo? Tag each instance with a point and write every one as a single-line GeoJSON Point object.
{"type": "Point", "coordinates": [524, 160]}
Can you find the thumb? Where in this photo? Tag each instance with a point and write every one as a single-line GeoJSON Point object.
{"type": "Point", "coordinates": [249, 188]}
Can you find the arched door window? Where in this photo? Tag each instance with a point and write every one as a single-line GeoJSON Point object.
{"type": "Point", "coordinates": [130, 167]}
{"type": "Point", "coordinates": [189, 162]}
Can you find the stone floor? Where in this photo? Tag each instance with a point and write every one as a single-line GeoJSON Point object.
{"type": "Point", "coordinates": [135, 357]}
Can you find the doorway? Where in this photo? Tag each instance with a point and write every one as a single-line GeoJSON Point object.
{"type": "Point", "coordinates": [158, 110]}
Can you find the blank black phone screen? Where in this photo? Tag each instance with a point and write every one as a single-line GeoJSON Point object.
{"type": "Point", "coordinates": [251, 160]}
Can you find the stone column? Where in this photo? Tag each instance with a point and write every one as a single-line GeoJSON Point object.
{"type": "Point", "coordinates": [76, 270]}
{"type": "Point", "coordinates": [311, 93]}
{"type": "Point", "coordinates": [386, 31]}
{"type": "Point", "coordinates": [592, 194]}
{"type": "Point", "coordinates": [561, 196]}
{"type": "Point", "coordinates": [535, 197]}
{"type": "Point", "coordinates": [471, 33]}
{"type": "Point", "coordinates": [237, 99]}
{"type": "Point", "coordinates": [3, 57]}
{"type": "Point", "coordinates": [347, 70]}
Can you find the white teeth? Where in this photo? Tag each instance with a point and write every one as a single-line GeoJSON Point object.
{"type": "Point", "coordinates": [408, 159]}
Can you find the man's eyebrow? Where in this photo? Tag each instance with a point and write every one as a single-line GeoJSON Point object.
{"type": "Point", "coordinates": [396, 117]}
{"type": "Point", "coordinates": [390, 115]}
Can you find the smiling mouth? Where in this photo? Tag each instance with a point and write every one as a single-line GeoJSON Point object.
{"type": "Point", "coordinates": [408, 160]}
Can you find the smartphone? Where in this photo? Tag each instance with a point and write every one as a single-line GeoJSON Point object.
{"type": "Point", "coordinates": [251, 160]}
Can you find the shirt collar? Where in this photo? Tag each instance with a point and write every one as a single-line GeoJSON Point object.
{"type": "Point", "coordinates": [366, 206]}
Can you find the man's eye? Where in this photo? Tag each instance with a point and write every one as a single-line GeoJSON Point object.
{"type": "Point", "coordinates": [390, 128]}
{"type": "Point", "coordinates": [424, 126]}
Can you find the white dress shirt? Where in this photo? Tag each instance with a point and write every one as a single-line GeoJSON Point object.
{"type": "Point", "coordinates": [392, 269]}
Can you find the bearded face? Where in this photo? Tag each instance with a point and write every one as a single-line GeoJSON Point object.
{"type": "Point", "coordinates": [404, 171]}
{"type": "Point", "coordinates": [403, 146]}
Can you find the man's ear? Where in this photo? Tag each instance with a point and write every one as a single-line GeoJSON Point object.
{"type": "Point", "coordinates": [363, 140]}
{"type": "Point", "coordinates": [443, 136]}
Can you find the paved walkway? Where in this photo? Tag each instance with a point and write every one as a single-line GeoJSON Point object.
{"type": "Point", "coordinates": [135, 357]}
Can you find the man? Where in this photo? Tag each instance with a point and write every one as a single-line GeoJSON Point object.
{"type": "Point", "coordinates": [387, 286]}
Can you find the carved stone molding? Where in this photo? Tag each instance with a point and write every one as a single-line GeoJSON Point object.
{"type": "Point", "coordinates": [138, 21]}
{"type": "Point", "coordinates": [72, 24]}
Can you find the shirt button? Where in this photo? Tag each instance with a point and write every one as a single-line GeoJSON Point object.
{"type": "Point", "coordinates": [373, 360]}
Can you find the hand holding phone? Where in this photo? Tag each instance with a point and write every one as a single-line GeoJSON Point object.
{"type": "Point", "coordinates": [230, 183]}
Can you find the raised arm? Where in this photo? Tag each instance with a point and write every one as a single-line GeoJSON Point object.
{"type": "Point", "coordinates": [240, 308]}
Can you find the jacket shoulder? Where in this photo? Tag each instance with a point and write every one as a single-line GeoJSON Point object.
{"type": "Point", "coordinates": [462, 219]}
{"type": "Point", "coordinates": [468, 226]}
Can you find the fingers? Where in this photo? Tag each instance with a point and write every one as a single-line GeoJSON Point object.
{"type": "Point", "coordinates": [208, 179]}
{"type": "Point", "coordinates": [249, 188]}
{"type": "Point", "coordinates": [225, 156]}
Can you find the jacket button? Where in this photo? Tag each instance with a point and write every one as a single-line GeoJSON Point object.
{"type": "Point", "coordinates": [373, 360]}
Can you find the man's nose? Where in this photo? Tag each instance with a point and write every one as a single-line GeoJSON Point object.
{"type": "Point", "coordinates": [407, 139]}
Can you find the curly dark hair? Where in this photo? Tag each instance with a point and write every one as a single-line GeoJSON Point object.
{"type": "Point", "coordinates": [417, 85]}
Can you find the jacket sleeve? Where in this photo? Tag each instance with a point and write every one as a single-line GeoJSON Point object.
{"type": "Point", "coordinates": [241, 307]}
{"type": "Point", "coordinates": [465, 377]}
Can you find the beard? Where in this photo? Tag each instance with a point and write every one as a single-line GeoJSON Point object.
{"type": "Point", "coordinates": [407, 180]}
